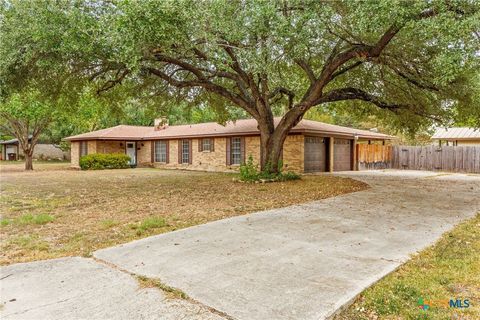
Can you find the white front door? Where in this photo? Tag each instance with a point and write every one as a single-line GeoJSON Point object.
{"type": "Point", "coordinates": [131, 151]}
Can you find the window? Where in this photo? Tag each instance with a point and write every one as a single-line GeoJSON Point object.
{"type": "Point", "coordinates": [83, 148]}
{"type": "Point", "coordinates": [185, 151]}
{"type": "Point", "coordinates": [236, 150]}
{"type": "Point", "coordinates": [206, 144]}
{"type": "Point", "coordinates": [161, 151]}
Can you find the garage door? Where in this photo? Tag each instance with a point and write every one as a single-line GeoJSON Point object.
{"type": "Point", "coordinates": [315, 154]}
{"type": "Point", "coordinates": [342, 155]}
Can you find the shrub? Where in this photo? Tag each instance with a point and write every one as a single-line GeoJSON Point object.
{"type": "Point", "coordinates": [249, 172]}
{"type": "Point", "coordinates": [99, 161]}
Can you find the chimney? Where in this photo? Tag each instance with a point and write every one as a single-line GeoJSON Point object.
{"type": "Point", "coordinates": [161, 123]}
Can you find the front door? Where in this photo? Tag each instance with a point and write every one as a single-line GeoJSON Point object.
{"type": "Point", "coordinates": [131, 151]}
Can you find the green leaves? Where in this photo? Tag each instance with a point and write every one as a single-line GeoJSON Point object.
{"type": "Point", "coordinates": [60, 47]}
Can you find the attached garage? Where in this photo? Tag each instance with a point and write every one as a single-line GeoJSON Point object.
{"type": "Point", "coordinates": [342, 155]}
{"type": "Point", "coordinates": [315, 154]}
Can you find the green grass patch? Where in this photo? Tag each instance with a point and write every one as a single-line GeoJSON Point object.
{"type": "Point", "coordinates": [109, 223]}
{"type": "Point", "coordinates": [152, 223]}
{"type": "Point", "coordinates": [28, 219]}
{"type": "Point", "coordinates": [42, 218]}
{"type": "Point", "coordinates": [149, 224]}
{"type": "Point", "coordinates": [29, 242]}
{"type": "Point", "coordinates": [156, 283]}
{"type": "Point", "coordinates": [450, 269]}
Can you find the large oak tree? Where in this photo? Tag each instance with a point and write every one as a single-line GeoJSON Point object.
{"type": "Point", "coordinates": [411, 62]}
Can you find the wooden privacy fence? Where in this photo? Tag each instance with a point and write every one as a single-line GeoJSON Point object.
{"type": "Point", "coordinates": [374, 156]}
{"type": "Point", "coordinates": [434, 158]}
{"type": "Point", "coordinates": [431, 158]}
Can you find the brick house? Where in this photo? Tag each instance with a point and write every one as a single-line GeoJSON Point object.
{"type": "Point", "coordinates": [311, 146]}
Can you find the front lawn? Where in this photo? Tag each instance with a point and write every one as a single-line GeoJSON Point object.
{"type": "Point", "coordinates": [448, 270]}
{"type": "Point", "coordinates": [60, 212]}
{"type": "Point", "coordinates": [38, 165]}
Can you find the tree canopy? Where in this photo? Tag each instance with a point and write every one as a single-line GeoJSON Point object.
{"type": "Point", "coordinates": [409, 63]}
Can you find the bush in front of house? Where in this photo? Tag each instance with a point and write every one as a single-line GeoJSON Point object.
{"type": "Point", "coordinates": [99, 161]}
{"type": "Point", "coordinates": [249, 173]}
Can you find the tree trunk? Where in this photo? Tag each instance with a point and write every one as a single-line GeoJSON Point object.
{"type": "Point", "coordinates": [271, 145]}
{"type": "Point", "coordinates": [28, 160]}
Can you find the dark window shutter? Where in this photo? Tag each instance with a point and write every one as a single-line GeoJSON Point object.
{"type": "Point", "coordinates": [212, 144]}
{"type": "Point", "coordinates": [242, 149]}
{"type": "Point", "coordinates": [179, 151]}
{"type": "Point", "coordinates": [152, 151]}
{"type": "Point", "coordinates": [167, 147]}
{"type": "Point", "coordinates": [228, 159]}
{"type": "Point", "coordinates": [190, 151]}
{"type": "Point", "coordinates": [200, 145]}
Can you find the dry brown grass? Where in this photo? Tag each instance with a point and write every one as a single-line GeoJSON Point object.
{"type": "Point", "coordinates": [60, 212]}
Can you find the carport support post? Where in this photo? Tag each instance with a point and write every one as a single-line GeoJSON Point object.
{"type": "Point", "coordinates": [331, 146]}
{"type": "Point", "coordinates": [354, 155]}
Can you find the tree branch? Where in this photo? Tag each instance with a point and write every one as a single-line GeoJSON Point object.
{"type": "Point", "coordinates": [361, 51]}
{"type": "Point", "coordinates": [283, 91]}
{"type": "Point", "coordinates": [358, 94]}
{"type": "Point", "coordinates": [206, 84]}
{"type": "Point", "coordinates": [308, 70]}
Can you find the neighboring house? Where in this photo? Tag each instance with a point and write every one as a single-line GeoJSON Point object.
{"type": "Point", "coordinates": [11, 151]}
{"type": "Point", "coordinates": [457, 137]}
{"type": "Point", "coordinates": [311, 146]}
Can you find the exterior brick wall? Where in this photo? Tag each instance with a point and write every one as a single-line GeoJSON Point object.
{"type": "Point", "coordinates": [92, 146]}
{"type": "Point", "coordinates": [75, 154]}
{"type": "Point", "coordinates": [293, 153]}
{"type": "Point", "coordinates": [216, 160]}
{"type": "Point", "coordinates": [201, 160]}
{"type": "Point", "coordinates": [104, 146]}
{"type": "Point", "coordinates": [144, 153]}
{"type": "Point", "coordinates": [252, 148]}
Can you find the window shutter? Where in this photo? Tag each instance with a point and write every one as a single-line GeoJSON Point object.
{"type": "Point", "coordinates": [79, 150]}
{"type": "Point", "coordinates": [200, 145]}
{"type": "Point", "coordinates": [228, 151]}
{"type": "Point", "coordinates": [152, 151]}
{"type": "Point", "coordinates": [179, 151]}
{"type": "Point", "coordinates": [167, 146]}
{"type": "Point", "coordinates": [242, 150]}
{"type": "Point", "coordinates": [190, 151]}
{"type": "Point", "coordinates": [212, 144]}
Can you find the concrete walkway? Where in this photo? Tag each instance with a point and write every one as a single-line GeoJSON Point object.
{"type": "Point", "coordinates": [305, 261]}
{"type": "Point", "coordinates": [79, 288]}
{"type": "Point", "coordinates": [299, 262]}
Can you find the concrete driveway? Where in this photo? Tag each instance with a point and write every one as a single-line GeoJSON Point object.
{"type": "Point", "coordinates": [299, 262]}
{"type": "Point", "coordinates": [305, 261]}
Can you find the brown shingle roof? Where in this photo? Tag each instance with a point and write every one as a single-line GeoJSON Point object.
{"type": "Point", "coordinates": [121, 132]}
{"type": "Point", "coordinates": [456, 133]}
{"type": "Point", "coordinates": [239, 127]}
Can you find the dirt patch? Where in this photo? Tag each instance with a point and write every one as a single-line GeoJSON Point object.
{"type": "Point", "coordinates": [89, 210]}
